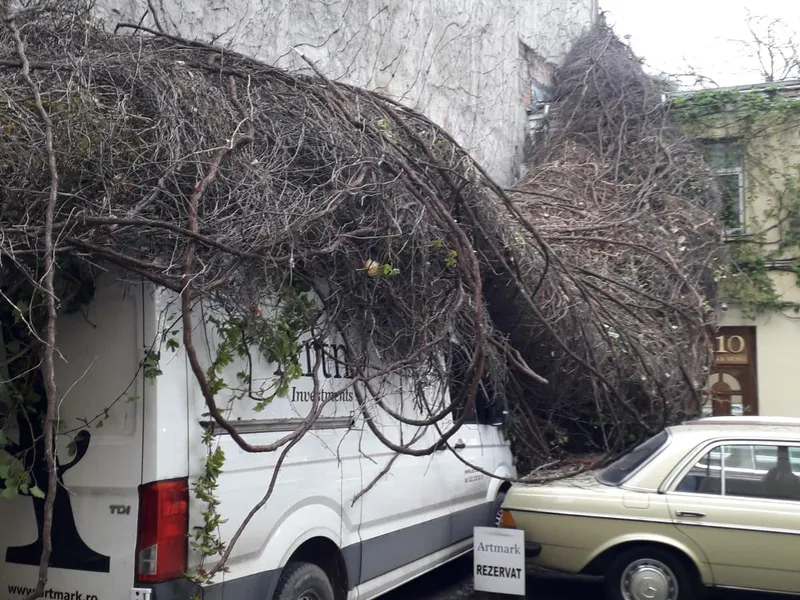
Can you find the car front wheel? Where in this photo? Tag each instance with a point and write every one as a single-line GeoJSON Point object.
{"type": "Point", "coordinates": [651, 573]}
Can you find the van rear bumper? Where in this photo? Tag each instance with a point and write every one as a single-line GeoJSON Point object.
{"type": "Point", "coordinates": [260, 586]}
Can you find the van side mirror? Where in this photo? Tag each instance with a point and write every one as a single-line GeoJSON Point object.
{"type": "Point", "coordinates": [500, 418]}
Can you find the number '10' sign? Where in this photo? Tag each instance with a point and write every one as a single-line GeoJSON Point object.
{"type": "Point", "coordinates": [730, 344]}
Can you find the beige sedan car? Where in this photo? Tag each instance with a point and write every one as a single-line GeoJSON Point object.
{"type": "Point", "coordinates": [710, 503]}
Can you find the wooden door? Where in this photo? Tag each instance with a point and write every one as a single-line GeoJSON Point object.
{"type": "Point", "coordinates": [732, 387]}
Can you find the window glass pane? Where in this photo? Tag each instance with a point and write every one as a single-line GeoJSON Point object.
{"type": "Point", "coordinates": [793, 226]}
{"type": "Point", "coordinates": [794, 458]}
{"type": "Point", "coordinates": [459, 377]}
{"type": "Point", "coordinates": [766, 457]}
{"type": "Point", "coordinates": [617, 471]}
{"type": "Point", "coordinates": [722, 156]}
{"type": "Point", "coordinates": [488, 406]}
{"type": "Point", "coordinates": [731, 207]}
{"type": "Point", "coordinates": [739, 457]}
{"type": "Point", "coordinates": [775, 476]}
{"type": "Point", "coordinates": [704, 477]}
{"type": "Point", "coordinates": [711, 459]}
{"type": "Point", "coordinates": [741, 478]}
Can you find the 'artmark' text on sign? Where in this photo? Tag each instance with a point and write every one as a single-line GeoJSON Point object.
{"type": "Point", "coordinates": [497, 548]}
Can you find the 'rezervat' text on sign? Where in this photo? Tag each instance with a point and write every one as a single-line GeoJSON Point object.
{"type": "Point", "coordinates": [499, 560]}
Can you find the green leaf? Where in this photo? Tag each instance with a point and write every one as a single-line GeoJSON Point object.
{"type": "Point", "coordinates": [22, 309]}
{"type": "Point", "coordinates": [452, 256]}
{"type": "Point", "coordinates": [36, 492]}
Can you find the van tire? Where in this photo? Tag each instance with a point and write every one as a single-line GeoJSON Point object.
{"type": "Point", "coordinates": [496, 507]}
{"type": "Point", "coordinates": [303, 581]}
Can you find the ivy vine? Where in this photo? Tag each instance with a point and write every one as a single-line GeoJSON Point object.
{"type": "Point", "coordinates": [275, 335]}
{"type": "Point", "coordinates": [762, 126]}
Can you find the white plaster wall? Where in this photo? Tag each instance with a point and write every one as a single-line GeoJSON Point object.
{"type": "Point", "coordinates": [777, 360]}
{"type": "Point", "coordinates": [457, 61]}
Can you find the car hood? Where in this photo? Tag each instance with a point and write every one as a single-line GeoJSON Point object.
{"type": "Point", "coordinates": [521, 495]}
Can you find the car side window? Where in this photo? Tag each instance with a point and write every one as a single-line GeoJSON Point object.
{"type": "Point", "coordinates": [770, 471]}
{"type": "Point", "coordinates": [705, 476]}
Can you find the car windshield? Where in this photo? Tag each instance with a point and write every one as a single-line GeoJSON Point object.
{"type": "Point", "coordinates": [618, 471]}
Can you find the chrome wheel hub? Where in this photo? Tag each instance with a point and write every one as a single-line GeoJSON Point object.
{"type": "Point", "coordinates": [649, 579]}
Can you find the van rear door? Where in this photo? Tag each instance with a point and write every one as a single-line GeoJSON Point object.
{"type": "Point", "coordinates": [99, 459]}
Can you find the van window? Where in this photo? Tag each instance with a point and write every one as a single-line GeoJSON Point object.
{"type": "Point", "coordinates": [488, 407]}
{"type": "Point", "coordinates": [485, 412]}
{"type": "Point", "coordinates": [623, 467]}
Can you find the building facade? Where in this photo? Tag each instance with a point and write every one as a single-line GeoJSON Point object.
{"type": "Point", "coordinates": [471, 66]}
{"type": "Point", "coordinates": [751, 138]}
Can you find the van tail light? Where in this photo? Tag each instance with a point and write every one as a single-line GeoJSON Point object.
{"type": "Point", "coordinates": [162, 543]}
{"type": "Point", "coordinates": [507, 519]}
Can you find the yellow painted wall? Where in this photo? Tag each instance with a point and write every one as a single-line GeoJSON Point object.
{"type": "Point", "coordinates": [777, 360]}
{"type": "Point", "coordinates": [777, 152]}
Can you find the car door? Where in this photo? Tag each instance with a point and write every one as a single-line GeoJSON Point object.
{"type": "Point", "coordinates": [749, 531]}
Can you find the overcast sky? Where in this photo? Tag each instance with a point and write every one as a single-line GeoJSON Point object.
{"type": "Point", "coordinates": [702, 33]}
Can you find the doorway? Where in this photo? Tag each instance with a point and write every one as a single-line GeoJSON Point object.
{"type": "Point", "coordinates": [732, 388]}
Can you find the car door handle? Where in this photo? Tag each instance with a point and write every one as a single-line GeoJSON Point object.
{"type": "Point", "coordinates": [459, 445]}
{"type": "Point", "coordinates": [689, 513]}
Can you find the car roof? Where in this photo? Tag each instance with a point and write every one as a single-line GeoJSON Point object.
{"type": "Point", "coordinates": [740, 426]}
{"type": "Point", "coordinates": [689, 435]}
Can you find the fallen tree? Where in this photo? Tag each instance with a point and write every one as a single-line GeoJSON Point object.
{"type": "Point", "coordinates": [582, 298]}
{"type": "Point", "coordinates": [619, 313]}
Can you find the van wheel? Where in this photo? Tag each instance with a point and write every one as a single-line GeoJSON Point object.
{"type": "Point", "coordinates": [303, 581]}
{"type": "Point", "coordinates": [650, 573]}
{"type": "Point", "coordinates": [498, 511]}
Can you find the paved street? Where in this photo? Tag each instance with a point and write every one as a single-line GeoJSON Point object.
{"type": "Point", "coordinates": [453, 582]}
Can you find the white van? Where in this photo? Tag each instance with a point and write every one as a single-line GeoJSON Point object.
{"type": "Point", "coordinates": [125, 508]}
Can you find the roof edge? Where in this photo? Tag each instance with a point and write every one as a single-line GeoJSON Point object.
{"type": "Point", "coordinates": [788, 85]}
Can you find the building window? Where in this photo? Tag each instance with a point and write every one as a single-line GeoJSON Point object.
{"type": "Point", "coordinates": [793, 225]}
{"type": "Point", "coordinates": [725, 158]}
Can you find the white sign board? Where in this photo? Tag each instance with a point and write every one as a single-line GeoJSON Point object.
{"type": "Point", "coordinates": [499, 560]}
